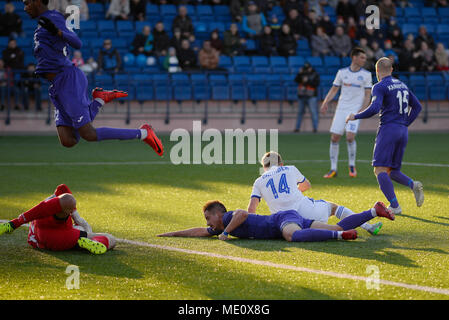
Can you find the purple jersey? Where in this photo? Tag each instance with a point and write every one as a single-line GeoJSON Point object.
{"type": "Point", "coordinates": [395, 102]}
{"type": "Point", "coordinates": [263, 226]}
{"type": "Point", "coordinates": [51, 51]}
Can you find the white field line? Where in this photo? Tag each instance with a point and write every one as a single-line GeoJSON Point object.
{"type": "Point", "coordinates": [139, 163]}
{"type": "Point", "coordinates": [281, 266]}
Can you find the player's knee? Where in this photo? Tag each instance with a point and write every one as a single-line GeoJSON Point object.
{"type": "Point", "coordinates": [90, 135]}
{"type": "Point", "coordinates": [112, 241]}
{"type": "Point", "coordinates": [335, 138]}
{"type": "Point", "coordinates": [68, 202]}
{"type": "Point", "coordinates": [68, 143]}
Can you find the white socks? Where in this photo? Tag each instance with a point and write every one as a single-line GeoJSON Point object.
{"type": "Point", "coordinates": [143, 134]}
{"type": "Point", "coordinates": [333, 152]}
{"type": "Point", "coordinates": [352, 149]}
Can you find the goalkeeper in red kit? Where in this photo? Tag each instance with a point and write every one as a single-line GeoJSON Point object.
{"type": "Point", "coordinates": [51, 226]}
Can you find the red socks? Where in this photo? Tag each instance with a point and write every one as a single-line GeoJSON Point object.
{"type": "Point", "coordinates": [61, 189]}
{"type": "Point", "coordinates": [44, 209]}
{"type": "Point", "coordinates": [102, 239]}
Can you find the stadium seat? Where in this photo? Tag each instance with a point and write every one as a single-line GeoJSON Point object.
{"type": "Point", "coordinates": [295, 62]}
{"type": "Point", "coordinates": [226, 62]}
{"type": "Point", "coordinates": [204, 10]}
{"type": "Point", "coordinates": [216, 25]}
{"type": "Point", "coordinates": [168, 11]}
{"type": "Point", "coordinates": [152, 11]}
{"type": "Point", "coordinates": [409, 28]}
{"type": "Point", "coordinates": [140, 24]}
{"type": "Point", "coordinates": [412, 12]}
{"type": "Point", "coordinates": [238, 93]}
{"type": "Point", "coordinates": [218, 80]}
{"type": "Point", "coordinates": [288, 78]}
{"type": "Point", "coordinates": [104, 80]}
{"type": "Point", "coordinates": [273, 79]}
{"type": "Point", "coordinates": [260, 64]}
{"type": "Point", "coordinates": [145, 93]}
{"type": "Point", "coordinates": [437, 92]}
{"type": "Point", "coordinates": [198, 79]}
{"type": "Point", "coordinates": [88, 25]}
{"type": "Point", "coordinates": [201, 92]}
{"type": "Point", "coordinates": [237, 79]}
{"type": "Point", "coordinates": [105, 25]}
{"type": "Point", "coordinates": [291, 93]}
{"type": "Point", "coordinates": [125, 26]}
{"type": "Point", "coordinates": [276, 93]}
{"type": "Point", "coordinates": [182, 93]}
{"type": "Point", "coordinates": [442, 29]}
{"type": "Point", "coordinates": [162, 93]}
{"type": "Point", "coordinates": [220, 93]}
{"type": "Point", "coordinates": [242, 64]}
{"type": "Point", "coordinates": [279, 65]}
{"type": "Point", "coordinates": [443, 12]}
{"type": "Point", "coordinates": [180, 79]}
{"type": "Point", "coordinates": [257, 93]}
{"type": "Point", "coordinates": [255, 79]}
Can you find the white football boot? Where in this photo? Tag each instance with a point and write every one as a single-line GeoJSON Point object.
{"type": "Point", "coordinates": [418, 192]}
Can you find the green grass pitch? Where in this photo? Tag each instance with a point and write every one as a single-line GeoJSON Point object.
{"type": "Point", "coordinates": [137, 202]}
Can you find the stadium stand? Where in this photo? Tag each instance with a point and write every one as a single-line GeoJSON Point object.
{"type": "Point", "coordinates": [239, 78]}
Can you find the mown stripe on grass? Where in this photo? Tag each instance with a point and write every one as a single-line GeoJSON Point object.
{"type": "Point", "coordinates": [138, 163]}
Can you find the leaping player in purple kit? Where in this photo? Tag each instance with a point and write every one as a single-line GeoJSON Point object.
{"type": "Point", "coordinates": [398, 108]}
{"type": "Point", "coordinates": [68, 91]}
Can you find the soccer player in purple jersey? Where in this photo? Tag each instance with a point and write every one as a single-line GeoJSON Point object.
{"type": "Point", "coordinates": [68, 91]}
{"type": "Point", "coordinates": [398, 108]}
{"type": "Point", "coordinates": [289, 225]}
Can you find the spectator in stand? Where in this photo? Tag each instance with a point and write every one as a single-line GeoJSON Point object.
{"type": "Point", "coordinates": [233, 44]}
{"type": "Point", "coordinates": [316, 5]}
{"type": "Point", "coordinates": [408, 58]}
{"type": "Point", "coordinates": [161, 40]}
{"type": "Point", "coordinates": [327, 25]}
{"type": "Point", "coordinates": [268, 42]}
{"type": "Point", "coordinates": [387, 9]}
{"type": "Point", "coordinates": [423, 36]}
{"type": "Point", "coordinates": [253, 22]}
{"type": "Point", "coordinates": [311, 22]}
{"type": "Point", "coordinates": [352, 29]}
{"type": "Point", "coordinates": [77, 59]}
{"type": "Point", "coordinates": [293, 4]}
{"type": "Point", "coordinates": [176, 40]}
{"type": "Point", "coordinates": [377, 50]}
{"type": "Point", "coordinates": [30, 86]}
{"type": "Point", "coordinates": [442, 58]}
{"type": "Point", "coordinates": [208, 56]}
{"type": "Point", "coordinates": [138, 10]}
{"type": "Point", "coordinates": [10, 22]}
{"type": "Point", "coordinates": [215, 41]}
{"type": "Point", "coordinates": [320, 43]}
{"type": "Point", "coordinates": [397, 40]}
{"type": "Point", "coordinates": [13, 56]}
{"type": "Point", "coordinates": [427, 58]}
{"type": "Point", "coordinates": [442, 3]}
{"type": "Point", "coordinates": [369, 54]}
{"type": "Point", "coordinates": [109, 59]}
{"type": "Point", "coordinates": [186, 56]}
{"type": "Point", "coordinates": [171, 62]}
{"type": "Point", "coordinates": [295, 21]}
{"type": "Point", "coordinates": [371, 35]}
{"type": "Point", "coordinates": [275, 25]}
{"type": "Point", "coordinates": [143, 42]}
{"type": "Point", "coordinates": [308, 81]}
{"type": "Point", "coordinates": [235, 6]}
{"type": "Point", "coordinates": [388, 51]}
{"type": "Point", "coordinates": [6, 79]}
{"type": "Point", "coordinates": [341, 43]}
{"type": "Point", "coordinates": [58, 5]}
{"type": "Point", "coordinates": [346, 10]}
{"type": "Point", "coordinates": [183, 22]}
{"type": "Point", "coordinates": [118, 10]}
{"type": "Point", "coordinates": [286, 43]}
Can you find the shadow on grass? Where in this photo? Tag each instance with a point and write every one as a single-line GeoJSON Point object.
{"type": "Point", "coordinates": [427, 220]}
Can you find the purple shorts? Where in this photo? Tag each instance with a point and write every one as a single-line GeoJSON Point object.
{"type": "Point", "coordinates": [292, 216]}
{"type": "Point", "coordinates": [390, 146]}
{"type": "Point", "coordinates": [68, 93]}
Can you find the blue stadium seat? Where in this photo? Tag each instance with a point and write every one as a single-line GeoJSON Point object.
{"type": "Point", "coordinates": [238, 93]}
{"type": "Point", "coordinates": [88, 25]}
{"type": "Point", "coordinates": [429, 12]}
{"type": "Point", "coordinates": [303, 45]}
{"type": "Point", "coordinates": [279, 64]}
{"type": "Point", "coordinates": [217, 25]}
{"type": "Point", "coordinates": [125, 26]}
{"type": "Point", "coordinates": [161, 78]}
{"type": "Point", "coordinates": [144, 93]}
{"type": "Point", "coordinates": [198, 79]}
{"type": "Point", "coordinates": [276, 93]}
{"type": "Point", "coordinates": [140, 24]}
{"type": "Point", "coordinates": [409, 28]}
{"type": "Point", "coordinates": [273, 79]}
{"type": "Point", "coordinates": [442, 29]}
{"type": "Point", "coordinates": [251, 45]}
{"type": "Point", "coordinates": [316, 63]}
{"type": "Point", "coordinates": [191, 10]}
{"type": "Point", "coordinates": [182, 93]}
{"type": "Point", "coordinates": [180, 79]}
{"type": "Point", "coordinates": [443, 12]}
{"type": "Point", "coordinates": [288, 79]}
{"type": "Point", "coordinates": [257, 93]}
{"type": "Point", "coordinates": [218, 80]}
{"type": "Point", "coordinates": [412, 12]}
{"type": "Point", "coordinates": [220, 93]}
{"type": "Point", "coordinates": [95, 8]}
{"type": "Point", "coordinates": [255, 79]}
{"type": "Point", "coordinates": [225, 62]}
{"type": "Point", "coordinates": [104, 80]}
{"type": "Point", "coordinates": [144, 79]}
{"type": "Point", "coordinates": [291, 93]}
{"type": "Point", "coordinates": [105, 25]}
{"type": "Point", "coordinates": [162, 93]}
{"type": "Point", "coordinates": [438, 92]}
{"type": "Point", "coordinates": [237, 79]}
{"type": "Point", "coordinates": [260, 64]}
{"type": "Point", "coordinates": [201, 93]}
{"type": "Point", "coordinates": [204, 10]}
{"type": "Point", "coordinates": [152, 10]}
{"type": "Point", "coordinates": [242, 64]}
{"type": "Point", "coordinates": [295, 62]}
{"type": "Point", "coordinates": [168, 10]}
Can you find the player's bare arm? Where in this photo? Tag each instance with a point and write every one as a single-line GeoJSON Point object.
{"type": "Point", "coordinates": [304, 186]}
{"type": "Point", "coordinates": [366, 100]}
{"type": "Point", "coordinates": [253, 204]}
{"type": "Point", "coordinates": [238, 217]}
{"type": "Point", "coordinates": [193, 232]}
{"type": "Point", "coordinates": [330, 95]}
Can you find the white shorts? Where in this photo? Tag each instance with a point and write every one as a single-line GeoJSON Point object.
{"type": "Point", "coordinates": [339, 125]}
{"type": "Point", "coordinates": [319, 210]}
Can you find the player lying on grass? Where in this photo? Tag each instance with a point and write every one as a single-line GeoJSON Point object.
{"type": "Point", "coordinates": [398, 108]}
{"type": "Point", "coordinates": [74, 110]}
{"type": "Point", "coordinates": [282, 188]}
{"type": "Point", "coordinates": [289, 225]}
{"type": "Point", "coordinates": [51, 226]}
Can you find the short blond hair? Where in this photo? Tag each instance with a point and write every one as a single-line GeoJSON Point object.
{"type": "Point", "coordinates": [271, 158]}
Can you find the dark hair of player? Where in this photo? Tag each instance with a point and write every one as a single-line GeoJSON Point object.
{"type": "Point", "coordinates": [356, 51]}
{"type": "Point", "coordinates": [213, 205]}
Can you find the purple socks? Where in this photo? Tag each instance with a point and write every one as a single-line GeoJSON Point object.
{"type": "Point", "coordinates": [401, 178]}
{"type": "Point", "coordinates": [355, 220]}
{"type": "Point", "coordinates": [117, 134]}
{"type": "Point", "coordinates": [309, 235]}
{"type": "Point", "coordinates": [387, 188]}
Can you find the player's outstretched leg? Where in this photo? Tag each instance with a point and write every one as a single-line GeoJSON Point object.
{"type": "Point", "coordinates": [97, 243]}
{"type": "Point", "coordinates": [333, 155]}
{"type": "Point", "coordinates": [415, 186]}
{"type": "Point", "coordinates": [7, 227]}
{"type": "Point", "coordinates": [152, 140]}
{"type": "Point", "coordinates": [107, 96]}
{"type": "Point", "coordinates": [343, 212]}
{"type": "Point", "coordinates": [356, 220]}
{"type": "Point", "coordinates": [386, 186]}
